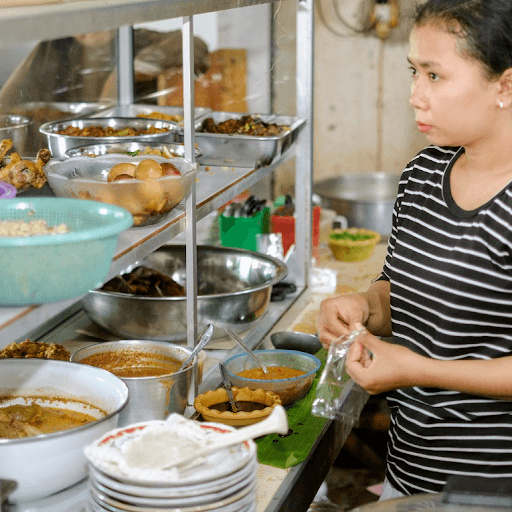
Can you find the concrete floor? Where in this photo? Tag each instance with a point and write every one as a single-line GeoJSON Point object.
{"type": "Point", "coordinates": [360, 464]}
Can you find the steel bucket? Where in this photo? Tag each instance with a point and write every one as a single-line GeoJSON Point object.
{"type": "Point", "coordinates": [151, 398]}
{"type": "Point", "coordinates": [366, 200]}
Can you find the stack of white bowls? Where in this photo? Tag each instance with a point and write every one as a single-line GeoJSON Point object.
{"type": "Point", "coordinates": [221, 481]}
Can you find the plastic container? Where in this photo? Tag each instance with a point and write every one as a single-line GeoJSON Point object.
{"type": "Point", "coordinates": [288, 390]}
{"type": "Point", "coordinates": [353, 250]}
{"type": "Point", "coordinates": [241, 232]}
{"type": "Point", "coordinates": [285, 224]}
{"type": "Point", "coordinates": [7, 191]}
{"type": "Point", "coordinates": [49, 268]}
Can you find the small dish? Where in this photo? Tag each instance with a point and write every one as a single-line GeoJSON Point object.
{"type": "Point", "coordinates": [353, 244]}
{"type": "Point", "coordinates": [245, 399]}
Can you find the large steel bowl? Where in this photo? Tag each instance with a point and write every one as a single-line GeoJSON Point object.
{"type": "Point", "coordinates": [365, 199]}
{"type": "Point", "coordinates": [151, 397]}
{"type": "Point", "coordinates": [59, 143]}
{"type": "Point", "coordinates": [45, 464]}
{"type": "Point", "coordinates": [234, 288]}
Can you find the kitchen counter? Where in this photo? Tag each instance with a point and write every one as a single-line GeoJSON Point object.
{"type": "Point", "coordinates": [278, 489]}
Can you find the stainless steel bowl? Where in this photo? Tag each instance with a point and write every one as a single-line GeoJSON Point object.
{"type": "Point", "coordinates": [234, 288]}
{"type": "Point", "coordinates": [16, 128]}
{"type": "Point", "coordinates": [139, 148]}
{"type": "Point", "coordinates": [45, 464]}
{"type": "Point", "coordinates": [151, 398]}
{"type": "Point", "coordinates": [59, 144]}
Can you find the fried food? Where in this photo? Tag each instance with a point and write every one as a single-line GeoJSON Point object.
{"type": "Point", "coordinates": [246, 125]}
{"type": "Point", "coordinates": [146, 282]}
{"type": "Point", "coordinates": [22, 173]}
{"type": "Point", "coordinates": [108, 131]}
{"type": "Point", "coordinates": [37, 349]}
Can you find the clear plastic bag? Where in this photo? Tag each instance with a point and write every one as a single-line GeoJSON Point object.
{"type": "Point", "coordinates": [331, 392]}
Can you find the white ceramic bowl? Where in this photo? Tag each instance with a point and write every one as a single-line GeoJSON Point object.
{"type": "Point", "coordinates": [45, 464]}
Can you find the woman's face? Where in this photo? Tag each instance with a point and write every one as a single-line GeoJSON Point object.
{"type": "Point", "coordinates": [455, 104]}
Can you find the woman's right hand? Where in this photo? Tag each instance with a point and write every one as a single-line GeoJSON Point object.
{"type": "Point", "coordinates": [339, 315]}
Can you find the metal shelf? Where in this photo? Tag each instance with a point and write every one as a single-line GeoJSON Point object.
{"type": "Point", "coordinates": [214, 187]}
{"type": "Point", "coordinates": [67, 18]}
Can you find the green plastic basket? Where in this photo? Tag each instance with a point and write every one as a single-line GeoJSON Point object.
{"type": "Point", "coordinates": [49, 268]}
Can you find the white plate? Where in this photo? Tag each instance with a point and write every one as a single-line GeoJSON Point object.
{"type": "Point", "coordinates": [174, 492]}
{"type": "Point", "coordinates": [230, 504]}
{"type": "Point", "coordinates": [177, 502]}
{"type": "Point", "coordinates": [103, 452]}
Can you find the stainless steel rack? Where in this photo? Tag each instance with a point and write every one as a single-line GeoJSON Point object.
{"type": "Point", "coordinates": [72, 17]}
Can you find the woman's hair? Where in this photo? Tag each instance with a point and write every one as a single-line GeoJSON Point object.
{"type": "Point", "coordinates": [483, 26]}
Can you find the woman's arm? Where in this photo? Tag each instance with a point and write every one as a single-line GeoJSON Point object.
{"type": "Point", "coordinates": [393, 366]}
{"type": "Point", "coordinates": [339, 315]}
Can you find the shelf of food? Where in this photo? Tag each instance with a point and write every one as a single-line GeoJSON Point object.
{"type": "Point", "coordinates": [214, 187]}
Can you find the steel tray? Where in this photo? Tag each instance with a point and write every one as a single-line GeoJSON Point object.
{"type": "Point", "coordinates": [244, 150]}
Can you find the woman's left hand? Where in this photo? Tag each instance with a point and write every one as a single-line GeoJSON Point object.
{"type": "Point", "coordinates": [378, 366]}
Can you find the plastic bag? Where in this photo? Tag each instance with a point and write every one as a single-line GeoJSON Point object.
{"type": "Point", "coordinates": [331, 393]}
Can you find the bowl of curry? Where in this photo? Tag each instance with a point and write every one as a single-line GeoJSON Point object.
{"type": "Point", "coordinates": [49, 411]}
{"type": "Point", "coordinates": [290, 373]}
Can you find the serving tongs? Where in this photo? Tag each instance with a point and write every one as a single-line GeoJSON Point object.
{"type": "Point", "coordinates": [237, 338]}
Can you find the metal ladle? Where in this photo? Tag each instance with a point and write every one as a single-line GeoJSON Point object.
{"type": "Point", "coordinates": [237, 338]}
{"type": "Point", "coordinates": [203, 340]}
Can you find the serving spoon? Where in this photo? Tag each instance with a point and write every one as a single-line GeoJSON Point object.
{"type": "Point", "coordinates": [203, 340]}
{"type": "Point", "coordinates": [237, 338]}
{"type": "Point", "coordinates": [159, 453]}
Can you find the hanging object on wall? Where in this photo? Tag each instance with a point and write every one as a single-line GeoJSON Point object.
{"type": "Point", "coordinates": [384, 16]}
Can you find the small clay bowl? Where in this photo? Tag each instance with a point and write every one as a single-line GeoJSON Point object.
{"type": "Point", "coordinates": [357, 246]}
{"type": "Point", "coordinates": [214, 406]}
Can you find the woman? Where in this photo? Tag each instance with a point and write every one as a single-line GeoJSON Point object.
{"type": "Point", "coordinates": [445, 292]}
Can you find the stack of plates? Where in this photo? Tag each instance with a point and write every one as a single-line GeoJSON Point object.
{"type": "Point", "coordinates": [222, 481]}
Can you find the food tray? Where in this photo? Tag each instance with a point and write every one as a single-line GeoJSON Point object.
{"type": "Point", "coordinates": [59, 143]}
{"type": "Point", "coordinates": [43, 112]}
{"type": "Point", "coordinates": [136, 110]}
{"type": "Point", "coordinates": [244, 150]}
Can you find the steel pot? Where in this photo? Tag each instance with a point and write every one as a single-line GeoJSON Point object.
{"type": "Point", "coordinates": [151, 398]}
{"type": "Point", "coordinates": [366, 200]}
{"type": "Point", "coordinates": [16, 128]}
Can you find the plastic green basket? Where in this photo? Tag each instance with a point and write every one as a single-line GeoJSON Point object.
{"type": "Point", "coordinates": [49, 268]}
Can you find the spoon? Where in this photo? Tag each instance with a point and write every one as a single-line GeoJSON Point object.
{"type": "Point", "coordinates": [205, 338]}
{"type": "Point", "coordinates": [159, 453]}
{"type": "Point", "coordinates": [237, 338]}
{"type": "Point", "coordinates": [227, 386]}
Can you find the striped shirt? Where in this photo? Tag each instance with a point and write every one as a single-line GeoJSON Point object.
{"type": "Point", "coordinates": [450, 274]}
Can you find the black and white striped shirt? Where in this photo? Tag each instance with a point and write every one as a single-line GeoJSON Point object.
{"type": "Point", "coordinates": [451, 298]}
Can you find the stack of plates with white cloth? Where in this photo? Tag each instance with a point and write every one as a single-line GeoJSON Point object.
{"type": "Point", "coordinates": [129, 469]}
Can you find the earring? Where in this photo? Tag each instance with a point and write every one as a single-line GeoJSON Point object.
{"type": "Point", "coordinates": [501, 104]}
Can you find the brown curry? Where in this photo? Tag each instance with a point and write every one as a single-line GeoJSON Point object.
{"type": "Point", "coordinates": [133, 363]}
{"type": "Point", "coordinates": [18, 421]}
{"type": "Point", "coordinates": [274, 373]}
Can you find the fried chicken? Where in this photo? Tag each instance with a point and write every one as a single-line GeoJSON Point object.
{"type": "Point", "coordinates": [23, 173]}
